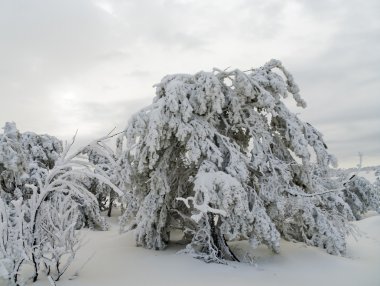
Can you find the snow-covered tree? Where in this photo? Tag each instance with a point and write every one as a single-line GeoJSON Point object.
{"type": "Point", "coordinates": [221, 157]}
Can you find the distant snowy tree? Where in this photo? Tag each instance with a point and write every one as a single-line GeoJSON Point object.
{"type": "Point", "coordinates": [362, 196]}
{"type": "Point", "coordinates": [377, 174]}
{"type": "Point", "coordinates": [220, 156]}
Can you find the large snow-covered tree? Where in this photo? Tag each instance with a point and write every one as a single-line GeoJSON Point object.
{"type": "Point", "coordinates": [220, 156]}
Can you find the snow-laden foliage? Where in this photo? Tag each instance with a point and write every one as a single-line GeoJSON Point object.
{"type": "Point", "coordinates": [107, 162]}
{"type": "Point", "coordinates": [220, 156]}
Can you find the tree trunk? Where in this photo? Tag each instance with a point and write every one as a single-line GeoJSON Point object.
{"type": "Point", "coordinates": [110, 205]}
{"type": "Point", "coordinates": [35, 277]}
{"type": "Point", "coordinates": [220, 243]}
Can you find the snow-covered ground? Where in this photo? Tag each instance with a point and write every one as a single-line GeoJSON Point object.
{"type": "Point", "coordinates": [116, 261]}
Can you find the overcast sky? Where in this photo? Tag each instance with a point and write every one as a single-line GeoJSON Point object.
{"type": "Point", "coordinates": [89, 65]}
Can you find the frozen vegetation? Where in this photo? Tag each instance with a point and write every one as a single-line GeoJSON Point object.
{"type": "Point", "coordinates": [216, 167]}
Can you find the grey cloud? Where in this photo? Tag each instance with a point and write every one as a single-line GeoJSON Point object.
{"type": "Point", "coordinates": [119, 111]}
{"type": "Point", "coordinates": [61, 34]}
{"type": "Point", "coordinates": [116, 55]}
{"type": "Point", "coordinates": [341, 84]}
{"type": "Point", "coordinates": [139, 73]}
{"type": "Point", "coordinates": [156, 23]}
{"type": "Point", "coordinates": [195, 25]}
{"type": "Point", "coordinates": [346, 139]}
{"type": "Point", "coordinates": [347, 114]}
{"type": "Point", "coordinates": [372, 139]}
{"type": "Point", "coordinates": [110, 58]}
{"type": "Point", "coordinates": [43, 45]}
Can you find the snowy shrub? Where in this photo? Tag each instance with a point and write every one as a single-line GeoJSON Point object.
{"type": "Point", "coordinates": [220, 156]}
{"type": "Point", "coordinates": [39, 230]}
{"type": "Point", "coordinates": [21, 157]}
{"type": "Point", "coordinates": [26, 158]}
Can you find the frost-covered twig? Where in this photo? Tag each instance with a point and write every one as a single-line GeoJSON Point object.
{"type": "Point", "coordinates": [76, 274]}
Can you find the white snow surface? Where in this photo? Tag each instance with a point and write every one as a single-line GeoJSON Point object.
{"type": "Point", "coordinates": [117, 261]}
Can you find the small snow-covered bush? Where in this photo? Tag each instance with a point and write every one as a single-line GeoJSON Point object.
{"type": "Point", "coordinates": [57, 228]}
{"type": "Point", "coordinates": [221, 157]}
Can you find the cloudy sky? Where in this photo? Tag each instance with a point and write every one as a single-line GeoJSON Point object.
{"type": "Point", "coordinates": [89, 65]}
